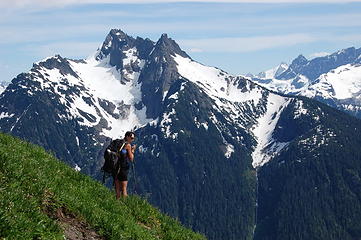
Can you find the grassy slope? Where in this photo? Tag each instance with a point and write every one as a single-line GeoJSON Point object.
{"type": "Point", "coordinates": [33, 182]}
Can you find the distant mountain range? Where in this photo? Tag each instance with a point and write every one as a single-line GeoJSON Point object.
{"type": "Point", "coordinates": [271, 73]}
{"type": "Point", "coordinates": [334, 79]}
{"type": "Point", "coordinates": [223, 154]}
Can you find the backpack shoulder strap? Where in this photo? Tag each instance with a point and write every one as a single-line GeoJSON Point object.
{"type": "Point", "coordinates": [123, 144]}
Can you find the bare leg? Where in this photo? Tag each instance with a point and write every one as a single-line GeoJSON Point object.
{"type": "Point", "coordinates": [117, 188]}
{"type": "Point", "coordinates": [124, 188]}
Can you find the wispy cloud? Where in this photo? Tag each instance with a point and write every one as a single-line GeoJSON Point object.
{"type": "Point", "coordinates": [3, 67]}
{"type": "Point", "coordinates": [67, 25]}
{"type": "Point", "coordinates": [65, 49]}
{"type": "Point", "coordinates": [318, 54]}
{"type": "Point", "coordinates": [74, 49]}
{"type": "Point", "coordinates": [75, 28]}
{"type": "Point", "coordinates": [251, 44]}
{"type": "Point", "coordinates": [195, 50]}
{"type": "Point", "coordinates": [47, 3]}
{"type": "Point", "coordinates": [245, 44]}
{"type": "Point", "coordinates": [349, 37]}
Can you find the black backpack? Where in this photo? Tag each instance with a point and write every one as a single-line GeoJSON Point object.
{"type": "Point", "coordinates": [114, 158]}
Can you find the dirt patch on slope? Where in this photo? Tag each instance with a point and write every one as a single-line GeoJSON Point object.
{"type": "Point", "coordinates": [73, 227]}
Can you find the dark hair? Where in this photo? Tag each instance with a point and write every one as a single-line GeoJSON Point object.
{"type": "Point", "coordinates": [129, 134]}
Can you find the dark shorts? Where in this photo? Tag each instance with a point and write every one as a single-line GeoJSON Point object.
{"type": "Point", "coordinates": [122, 175]}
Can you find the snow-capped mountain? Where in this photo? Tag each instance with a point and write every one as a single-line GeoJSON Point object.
{"type": "Point", "coordinates": [274, 72]}
{"type": "Point", "coordinates": [207, 140]}
{"type": "Point", "coordinates": [93, 98]}
{"type": "Point", "coordinates": [334, 79]}
{"type": "Point", "coordinates": [233, 97]}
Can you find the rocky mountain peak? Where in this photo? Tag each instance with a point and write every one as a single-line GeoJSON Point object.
{"type": "Point", "coordinates": [119, 33]}
{"type": "Point", "coordinates": [296, 67]}
{"type": "Point", "coordinates": [57, 62]}
{"type": "Point", "coordinates": [300, 60]}
{"type": "Point", "coordinates": [272, 73]}
{"type": "Point", "coordinates": [346, 56]}
{"type": "Point", "coordinates": [159, 74]}
{"type": "Point", "coordinates": [113, 46]}
{"type": "Point", "coordinates": [346, 51]}
{"type": "Point", "coordinates": [167, 46]}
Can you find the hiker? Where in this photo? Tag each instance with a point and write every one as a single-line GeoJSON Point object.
{"type": "Point", "coordinates": [121, 179]}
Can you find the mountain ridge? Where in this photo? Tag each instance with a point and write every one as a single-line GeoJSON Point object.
{"type": "Point", "coordinates": [332, 79]}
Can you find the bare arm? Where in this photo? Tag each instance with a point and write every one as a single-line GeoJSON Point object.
{"type": "Point", "coordinates": [130, 151]}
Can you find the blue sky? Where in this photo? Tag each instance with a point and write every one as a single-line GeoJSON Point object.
{"type": "Point", "coordinates": [238, 36]}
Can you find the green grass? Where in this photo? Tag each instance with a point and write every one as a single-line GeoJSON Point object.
{"type": "Point", "coordinates": [33, 182]}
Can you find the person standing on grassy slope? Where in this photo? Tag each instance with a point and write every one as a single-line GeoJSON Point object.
{"type": "Point", "coordinates": [121, 178]}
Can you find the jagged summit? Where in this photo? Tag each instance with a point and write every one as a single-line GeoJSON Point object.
{"type": "Point", "coordinates": [272, 73]}
{"type": "Point", "coordinates": [167, 46]}
{"type": "Point", "coordinates": [55, 62]}
{"type": "Point", "coordinates": [164, 36]}
{"type": "Point", "coordinates": [113, 46]}
{"type": "Point", "coordinates": [347, 55]}
{"type": "Point", "coordinates": [349, 50]}
{"type": "Point", "coordinates": [117, 42]}
{"type": "Point", "coordinates": [119, 33]}
{"type": "Point", "coordinates": [299, 60]}
{"type": "Point", "coordinates": [57, 57]}
{"type": "Point", "coordinates": [119, 46]}
{"type": "Point", "coordinates": [296, 66]}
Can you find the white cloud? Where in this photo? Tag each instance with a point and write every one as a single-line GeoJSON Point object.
{"type": "Point", "coordinates": [50, 33]}
{"type": "Point", "coordinates": [245, 44]}
{"type": "Point", "coordinates": [319, 54]}
{"type": "Point", "coordinates": [251, 44]}
{"type": "Point", "coordinates": [64, 24]}
{"type": "Point", "coordinates": [52, 4]}
{"type": "Point", "coordinates": [349, 37]}
{"type": "Point", "coordinates": [64, 49]}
